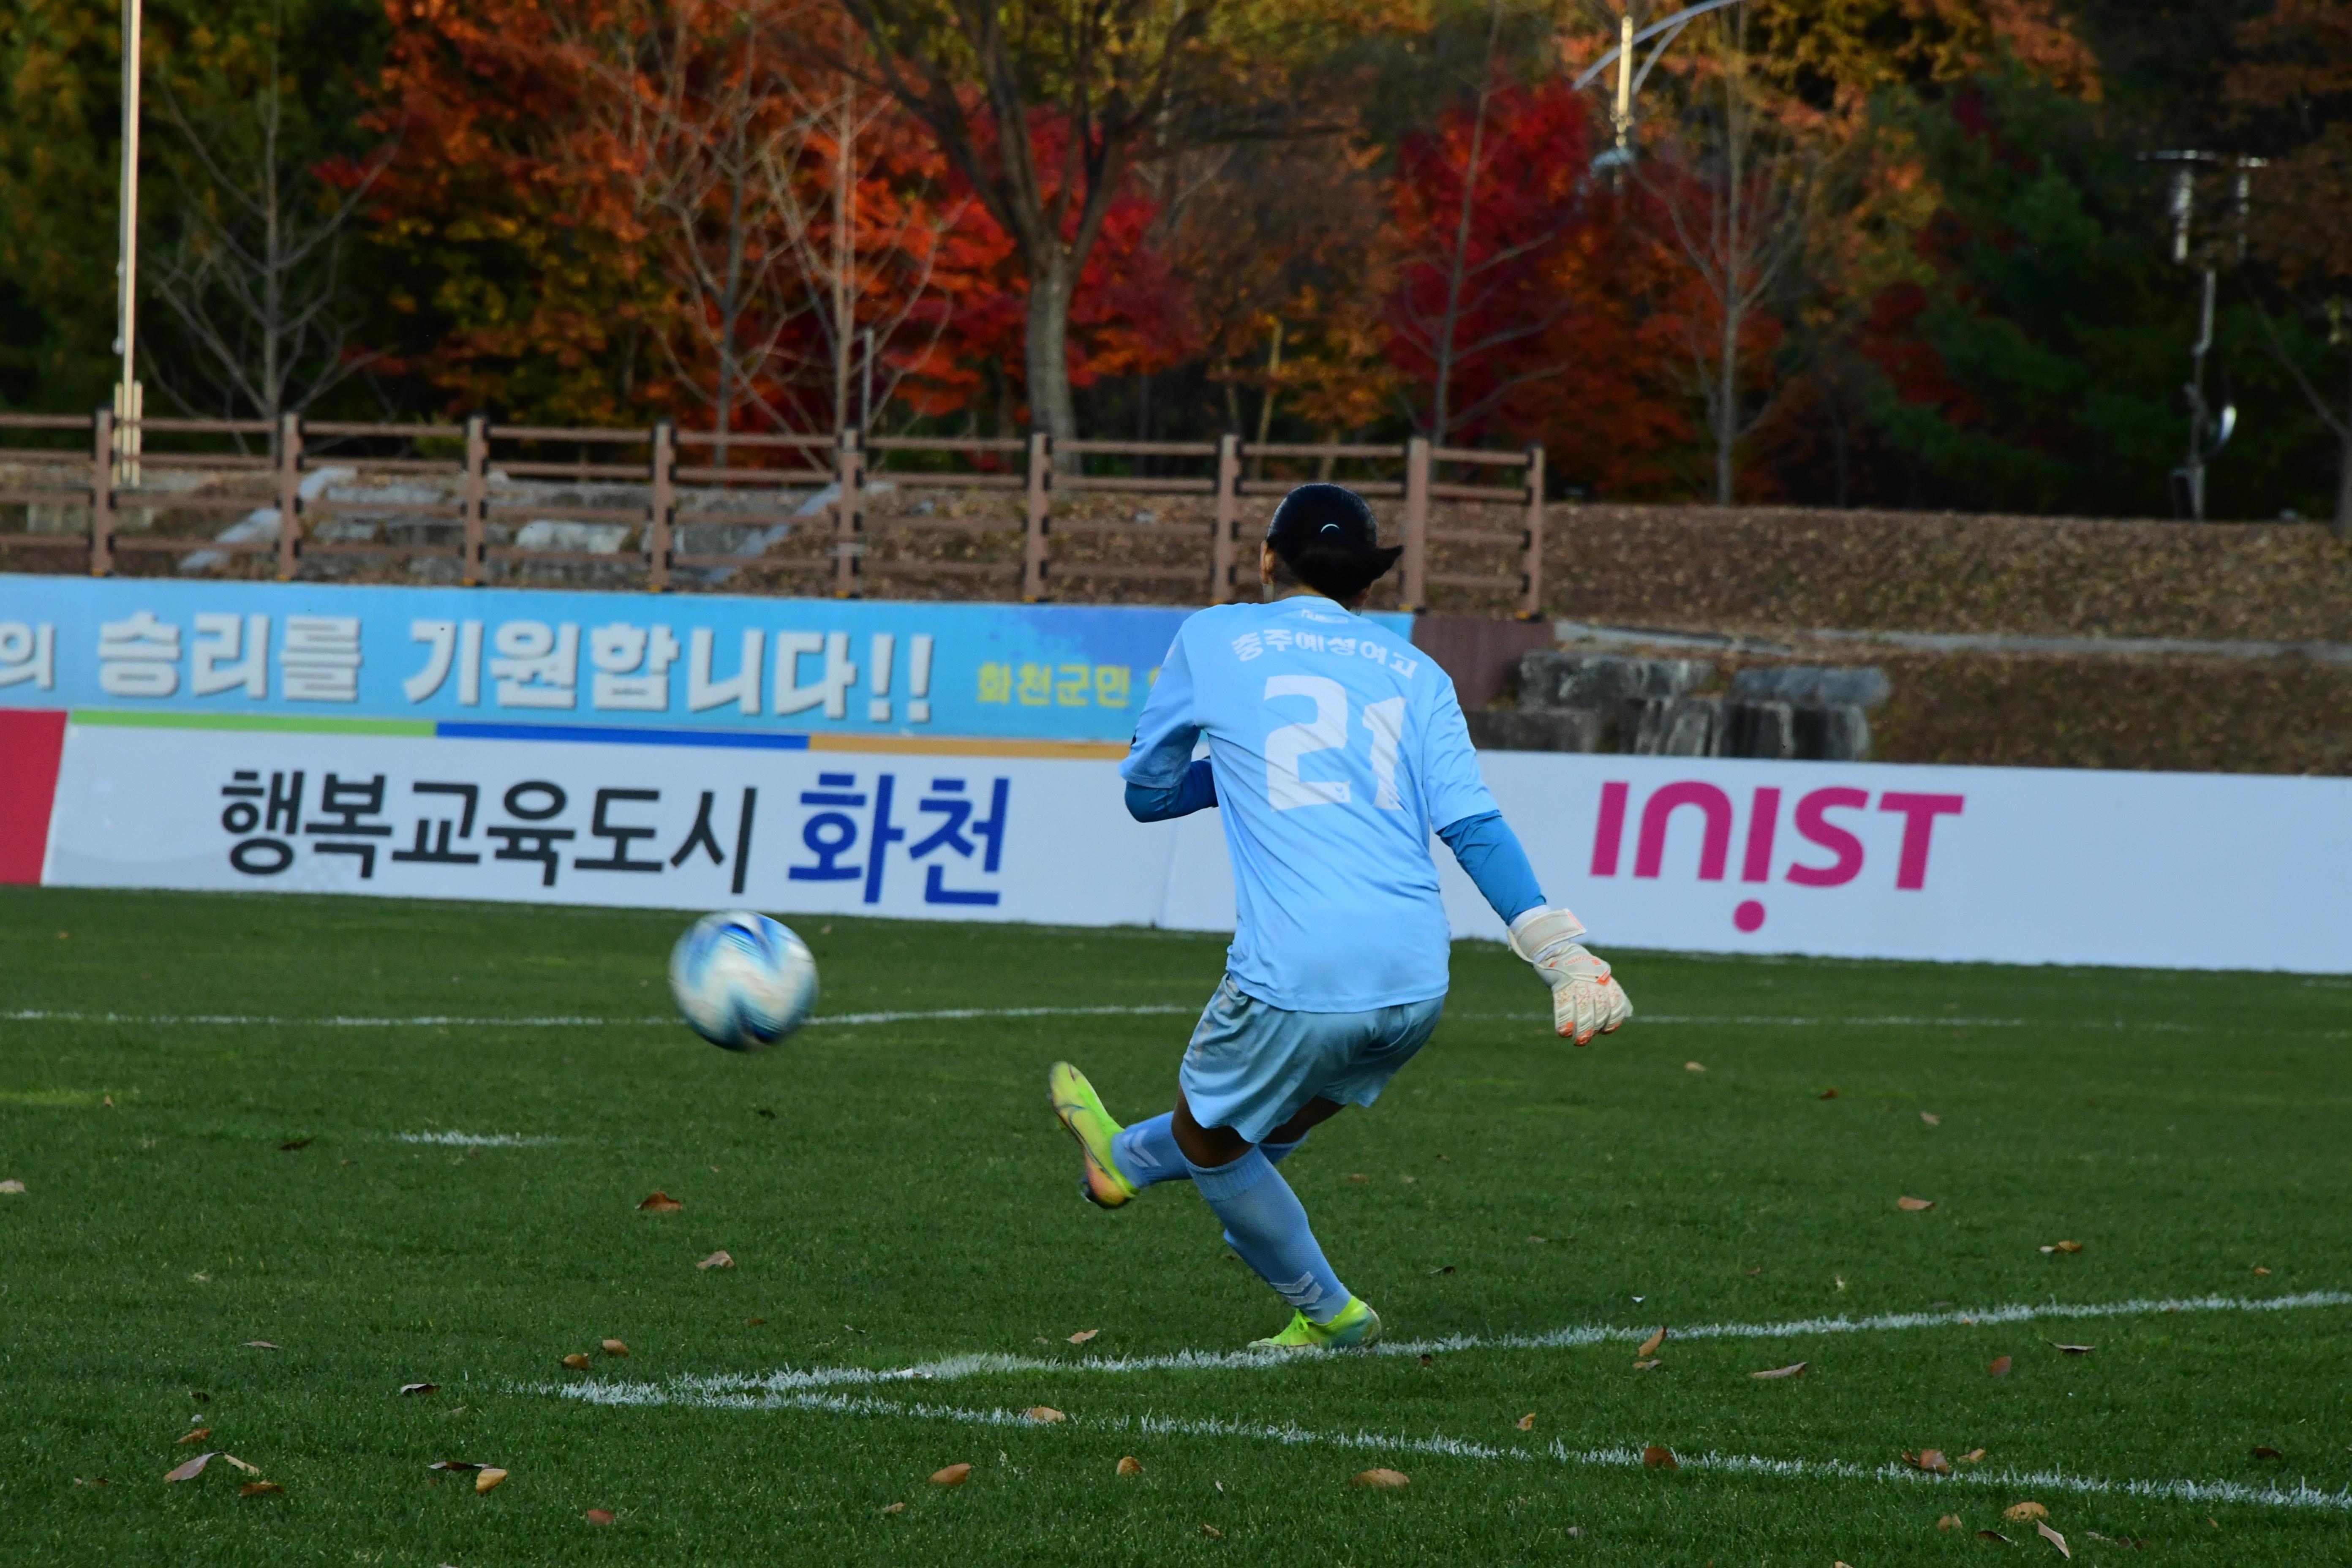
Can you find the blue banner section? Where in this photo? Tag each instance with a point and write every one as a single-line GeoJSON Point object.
{"type": "Point", "coordinates": [538, 657]}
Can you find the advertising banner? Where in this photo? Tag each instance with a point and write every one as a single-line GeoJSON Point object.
{"type": "Point", "coordinates": [1863, 860]}
{"type": "Point", "coordinates": [503, 657]}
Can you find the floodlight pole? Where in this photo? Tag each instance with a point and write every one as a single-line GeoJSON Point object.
{"type": "Point", "coordinates": [1629, 80]}
{"type": "Point", "coordinates": [128, 410]}
{"type": "Point", "coordinates": [2207, 434]}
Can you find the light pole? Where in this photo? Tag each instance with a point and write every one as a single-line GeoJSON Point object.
{"type": "Point", "coordinates": [128, 410]}
{"type": "Point", "coordinates": [1629, 80]}
{"type": "Point", "coordinates": [2207, 433]}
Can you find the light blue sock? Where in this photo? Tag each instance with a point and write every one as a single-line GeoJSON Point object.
{"type": "Point", "coordinates": [1147, 1153]}
{"type": "Point", "coordinates": [1265, 1223]}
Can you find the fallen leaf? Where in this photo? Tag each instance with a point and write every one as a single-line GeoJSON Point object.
{"type": "Point", "coordinates": [240, 1464]}
{"type": "Point", "coordinates": [1650, 1346]}
{"type": "Point", "coordinates": [661, 1203]}
{"type": "Point", "coordinates": [293, 1145]}
{"type": "Point", "coordinates": [1950, 1521]}
{"type": "Point", "coordinates": [1385, 1481]}
{"type": "Point", "coordinates": [1129, 1464]}
{"type": "Point", "coordinates": [1043, 1413]}
{"type": "Point", "coordinates": [2022, 1511]}
{"type": "Point", "coordinates": [1527, 1421]}
{"type": "Point", "coordinates": [1083, 1335]}
{"type": "Point", "coordinates": [577, 1361]}
{"type": "Point", "coordinates": [408, 1388]}
{"type": "Point", "coordinates": [1931, 1460]}
{"type": "Point", "coordinates": [2260, 1269]}
{"type": "Point", "coordinates": [1972, 1456]}
{"type": "Point", "coordinates": [1694, 1066]}
{"type": "Point", "coordinates": [2064, 1246]}
{"type": "Point", "coordinates": [1796, 1369]}
{"type": "Point", "coordinates": [615, 1347]}
{"type": "Point", "coordinates": [1357, 1176]}
{"type": "Point", "coordinates": [1410, 1181]}
{"type": "Point", "coordinates": [2265, 1452]}
{"type": "Point", "coordinates": [1211, 1532]}
{"type": "Point", "coordinates": [894, 1508]}
{"type": "Point", "coordinates": [1999, 1367]}
{"type": "Point", "coordinates": [12, 1185]}
{"type": "Point", "coordinates": [259, 1489]}
{"type": "Point", "coordinates": [2054, 1538]}
{"type": "Point", "coordinates": [599, 1516]}
{"type": "Point", "coordinates": [1932, 1120]}
{"type": "Point", "coordinates": [1994, 1535]}
{"type": "Point", "coordinates": [1660, 1458]}
{"type": "Point", "coordinates": [1448, 1268]}
{"type": "Point", "coordinates": [1828, 1094]}
{"type": "Point", "coordinates": [1647, 1365]}
{"type": "Point", "coordinates": [93, 1481]}
{"type": "Point", "coordinates": [191, 1469]}
{"type": "Point", "coordinates": [1915, 1206]}
{"type": "Point", "coordinates": [485, 1477]}
{"type": "Point", "coordinates": [1841, 1281]}
{"type": "Point", "coordinates": [262, 1345]}
{"type": "Point", "coordinates": [456, 1465]}
{"type": "Point", "coordinates": [753, 1323]}
{"type": "Point", "coordinates": [2070, 1350]}
{"type": "Point", "coordinates": [1539, 1240]}
{"type": "Point", "coordinates": [719, 1260]}
{"type": "Point", "coordinates": [198, 1435]}
{"type": "Point", "coordinates": [1755, 1271]}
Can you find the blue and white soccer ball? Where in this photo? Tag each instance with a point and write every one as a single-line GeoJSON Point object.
{"type": "Point", "coordinates": [741, 980]}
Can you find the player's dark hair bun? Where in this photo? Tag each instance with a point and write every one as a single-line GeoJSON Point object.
{"type": "Point", "coordinates": [1326, 535]}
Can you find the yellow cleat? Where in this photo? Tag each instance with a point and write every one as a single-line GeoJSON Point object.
{"type": "Point", "coordinates": [1357, 1328]}
{"type": "Point", "coordinates": [1081, 1113]}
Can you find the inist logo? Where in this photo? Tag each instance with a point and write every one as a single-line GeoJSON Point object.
{"type": "Point", "coordinates": [1835, 854]}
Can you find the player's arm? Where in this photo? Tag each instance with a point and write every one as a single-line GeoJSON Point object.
{"type": "Point", "coordinates": [1163, 781]}
{"type": "Point", "coordinates": [1196, 791]}
{"type": "Point", "coordinates": [1586, 1000]}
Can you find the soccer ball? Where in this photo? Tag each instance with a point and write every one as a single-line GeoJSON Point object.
{"type": "Point", "coordinates": [741, 980]}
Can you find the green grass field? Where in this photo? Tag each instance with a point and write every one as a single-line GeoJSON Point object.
{"type": "Point", "coordinates": [207, 1161]}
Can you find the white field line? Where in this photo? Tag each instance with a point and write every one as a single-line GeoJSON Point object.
{"type": "Point", "coordinates": [476, 1140]}
{"type": "Point", "coordinates": [986, 1364]}
{"type": "Point", "coordinates": [851, 1020]}
{"type": "Point", "coordinates": [1627, 1457]}
{"type": "Point", "coordinates": [446, 1021]}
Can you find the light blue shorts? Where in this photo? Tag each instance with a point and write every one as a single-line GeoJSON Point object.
{"type": "Point", "coordinates": [1252, 1067]}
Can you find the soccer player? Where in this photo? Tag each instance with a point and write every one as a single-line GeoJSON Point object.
{"type": "Point", "coordinates": [1334, 748]}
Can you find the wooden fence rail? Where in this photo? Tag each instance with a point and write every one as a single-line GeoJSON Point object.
{"type": "Point", "coordinates": [453, 474]}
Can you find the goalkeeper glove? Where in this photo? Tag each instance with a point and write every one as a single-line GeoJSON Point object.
{"type": "Point", "coordinates": [1585, 1001]}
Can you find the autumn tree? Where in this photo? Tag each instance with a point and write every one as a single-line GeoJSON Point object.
{"type": "Point", "coordinates": [1487, 206]}
{"type": "Point", "coordinates": [253, 272]}
{"type": "Point", "coordinates": [1124, 82]}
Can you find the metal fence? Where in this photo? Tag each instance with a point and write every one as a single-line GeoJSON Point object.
{"type": "Point", "coordinates": [1472, 521]}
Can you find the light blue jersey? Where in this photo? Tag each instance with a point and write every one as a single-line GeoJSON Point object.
{"type": "Point", "coordinates": [1337, 748]}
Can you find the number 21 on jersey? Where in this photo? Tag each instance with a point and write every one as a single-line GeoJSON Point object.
{"type": "Point", "coordinates": [1383, 722]}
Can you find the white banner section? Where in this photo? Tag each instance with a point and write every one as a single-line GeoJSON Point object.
{"type": "Point", "coordinates": [2019, 866]}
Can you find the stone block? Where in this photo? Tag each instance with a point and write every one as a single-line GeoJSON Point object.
{"type": "Point", "coordinates": [1671, 726]}
{"type": "Point", "coordinates": [1833, 732]}
{"type": "Point", "coordinates": [1604, 683]}
{"type": "Point", "coordinates": [1813, 685]}
{"type": "Point", "coordinates": [1762, 729]}
{"type": "Point", "coordinates": [1538, 729]}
